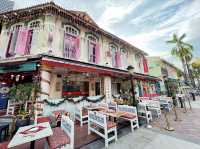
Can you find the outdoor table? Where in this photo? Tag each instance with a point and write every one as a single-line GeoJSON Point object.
{"type": "Point", "coordinates": [91, 108]}
{"type": "Point", "coordinates": [113, 114]}
{"type": "Point", "coordinates": [4, 127]}
{"type": "Point", "coordinates": [30, 134]}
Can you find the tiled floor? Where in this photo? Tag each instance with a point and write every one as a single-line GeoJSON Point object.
{"type": "Point", "coordinates": [81, 136]}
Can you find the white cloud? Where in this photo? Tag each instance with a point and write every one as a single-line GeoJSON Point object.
{"type": "Point", "coordinates": [115, 13]}
{"type": "Point", "coordinates": [186, 20]}
{"type": "Point", "coordinates": [148, 13]}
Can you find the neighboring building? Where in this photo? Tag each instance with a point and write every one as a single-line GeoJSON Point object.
{"type": "Point", "coordinates": [6, 5]}
{"type": "Point", "coordinates": [69, 44]}
{"type": "Point", "coordinates": [159, 67]}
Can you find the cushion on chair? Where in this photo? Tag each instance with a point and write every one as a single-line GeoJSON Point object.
{"type": "Point", "coordinates": [43, 119]}
{"type": "Point", "coordinates": [58, 139]}
{"type": "Point", "coordinates": [111, 124]}
{"type": "Point", "coordinates": [129, 115]}
{"type": "Point", "coordinates": [85, 112]}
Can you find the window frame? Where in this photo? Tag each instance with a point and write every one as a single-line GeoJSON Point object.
{"type": "Point", "coordinates": [14, 26]}
{"type": "Point", "coordinates": [72, 29]}
{"type": "Point", "coordinates": [35, 27]}
{"type": "Point", "coordinates": [91, 40]}
{"type": "Point", "coordinates": [113, 53]}
{"type": "Point", "coordinates": [73, 34]}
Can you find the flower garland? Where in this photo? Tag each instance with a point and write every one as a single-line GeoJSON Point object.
{"type": "Point", "coordinates": [53, 103]}
{"type": "Point", "coordinates": [57, 103]}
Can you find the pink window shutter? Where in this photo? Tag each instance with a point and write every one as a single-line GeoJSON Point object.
{"type": "Point", "coordinates": [97, 53]}
{"type": "Point", "coordinates": [78, 52]}
{"type": "Point", "coordinates": [9, 43]}
{"type": "Point", "coordinates": [118, 59]}
{"type": "Point", "coordinates": [29, 41]}
{"type": "Point", "coordinates": [145, 65]}
{"type": "Point", "coordinates": [22, 41]}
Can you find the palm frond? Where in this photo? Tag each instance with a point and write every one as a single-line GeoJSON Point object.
{"type": "Point", "coordinates": [175, 37]}
{"type": "Point", "coordinates": [188, 45]}
{"type": "Point", "coordinates": [174, 52]}
{"type": "Point", "coordinates": [171, 41]}
{"type": "Point", "coordinates": [182, 36]}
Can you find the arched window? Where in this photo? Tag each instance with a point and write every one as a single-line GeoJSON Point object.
{"type": "Point", "coordinates": [113, 50]}
{"type": "Point", "coordinates": [92, 38]}
{"type": "Point", "coordinates": [71, 42]}
{"type": "Point", "coordinates": [93, 48]}
{"type": "Point", "coordinates": [34, 24]}
{"type": "Point", "coordinates": [124, 56]}
{"type": "Point", "coordinates": [16, 26]}
{"type": "Point", "coordinates": [138, 59]}
{"type": "Point", "coordinates": [71, 30]}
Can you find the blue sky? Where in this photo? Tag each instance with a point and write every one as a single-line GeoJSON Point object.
{"type": "Point", "coordinates": [147, 24]}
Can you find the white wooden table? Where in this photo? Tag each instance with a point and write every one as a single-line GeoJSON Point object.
{"type": "Point", "coordinates": [20, 138]}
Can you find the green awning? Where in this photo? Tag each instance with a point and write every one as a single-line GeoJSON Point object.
{"type": "Point", "coordinates": [19, 68]}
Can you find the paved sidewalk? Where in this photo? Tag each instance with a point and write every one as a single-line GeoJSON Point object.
{"type": "Point", "coordinates": [185, 136]}
{"type": "Point", "coordinates": [146, 139]}
{"type": "Point", "coordinates": [188, 126]}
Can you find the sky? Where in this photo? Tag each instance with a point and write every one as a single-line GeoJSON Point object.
{"type": "Point", "coordinates": [147, 24]}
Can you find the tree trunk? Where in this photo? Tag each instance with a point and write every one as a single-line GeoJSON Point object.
{"type": "Point", "coordinates": [191, 78]}
{"type": "Point", "coordinates": [185, 70]}
{"type": "Point", "coordinates": [198, 82]}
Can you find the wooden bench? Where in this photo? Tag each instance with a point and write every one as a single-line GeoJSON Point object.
{"type": "Point", "coordinates": [98, 124]}
{"type": "Point", "coordinates": [63, 137]}
{"type": "Point", "coordinates": [130, 115]}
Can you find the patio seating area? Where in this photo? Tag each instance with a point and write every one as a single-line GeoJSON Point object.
{"type": "Point", "coordinates": [86, 124]}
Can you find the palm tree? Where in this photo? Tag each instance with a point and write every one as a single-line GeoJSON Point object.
{"type": "Point", "coordinates": [183, 51]}
{"type": "Point", "coordinates": [196, 70]}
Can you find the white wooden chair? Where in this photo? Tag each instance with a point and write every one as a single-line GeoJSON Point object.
{"type": "Point", "coordinates": [166, 102]}
{"type": "Point", "coordinates": [130, 115]}
{"type": "Point", "coordinates": [28, 106]}
{"type": "Point", "coordinates": [112, 105]}
{"type": "Point", "coordinates": [62, 138]}
{"type": "Point", "coordinates": [13, 108]}
{"type": "Point", "coordinates": [144, 113]}
{"type": "Point", "coordinates": [143, 98]}
{"type": "Point", "coordinates": [81, 115]}
{"type": "Point", "coordinates": [154, 107]}
{"type": "Point", "coordinates": [98, 124]}
{"type": "Point", "coordinates": [103, 104]}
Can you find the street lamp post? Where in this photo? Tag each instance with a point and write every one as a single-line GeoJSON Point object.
{"type": "Point", "coordinates": [131, 72]}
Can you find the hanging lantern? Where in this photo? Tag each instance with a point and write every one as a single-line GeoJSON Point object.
{"type": "Point", "coordinates": [12, 77]}
{"type": "Point", "coordinates": [17, 78]}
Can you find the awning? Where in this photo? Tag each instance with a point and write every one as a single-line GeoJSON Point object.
{"type": "Point", "coordinates": [25, 67]}
{"type": "Point", "coordinates": [77, 66]}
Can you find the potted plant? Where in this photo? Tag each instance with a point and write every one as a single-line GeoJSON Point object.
{"type": "Point", "coordinates": [22, 93]}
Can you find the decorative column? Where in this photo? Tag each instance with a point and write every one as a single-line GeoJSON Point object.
{"type": "Point", "coordinates": [107, 89]}
{"type": "Point", "coordinates": [45, 84]}
{"type": "Point", "coordinates": [92, 87]}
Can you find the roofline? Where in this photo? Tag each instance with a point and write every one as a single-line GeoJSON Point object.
{"type": "Point", "coordinates": [165, 61]}
{"type": "Point", "coordinates": [73, 15]}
